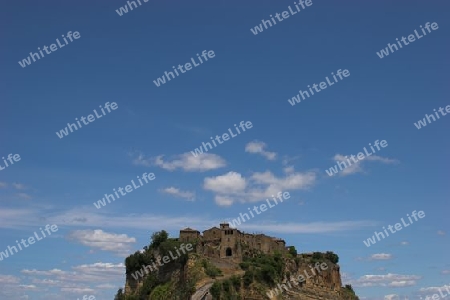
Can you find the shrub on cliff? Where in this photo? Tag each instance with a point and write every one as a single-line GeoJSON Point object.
{"type": "Point", "coordinates": [349, 292]}
{"type": "Point", "coordinates": [331, 256]}
{"type": "Point", "coordinates": [215, 290]}
{"type": "Point", "coordinates": [293, 251]}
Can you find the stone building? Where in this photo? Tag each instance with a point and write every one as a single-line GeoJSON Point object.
{"type": "Point", "coordinates": [189, 235]}
{"type": "Point", "coordinates": [230, 243]}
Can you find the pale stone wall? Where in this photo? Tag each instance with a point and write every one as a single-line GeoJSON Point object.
{"type": "Point", "coordinates": [218, 242]}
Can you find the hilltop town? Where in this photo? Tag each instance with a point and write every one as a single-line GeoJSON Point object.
{"type": "Point", "coordinates": [226, 263]}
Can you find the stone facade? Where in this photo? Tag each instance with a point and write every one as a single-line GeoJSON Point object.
{"type": "Point", "coordinates": [230, 243]}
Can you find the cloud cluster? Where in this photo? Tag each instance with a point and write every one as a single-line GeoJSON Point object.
{"type": "Point", "coordinates": [11, 288]}
{"type": "Point", "coordinates": [117, 243]}
{"type": "Point", "coordinates": [186, 162]}
{"type": "Point", "coordinates": [381, 256]}
{"type": "Point", "coordinates": [357, 167]}
{"type": "Point", "coordinates": [388, 280]}
{"type": "Point", "coordinates": [17, 186]}
{"type": "Point", "coordinates": [190, 196]}
{"type": "Point", "coordinates": [433, 289]}
{"type": "Point", "coordinates": [232, 186]}
{"type": "Point", "coordinates": [82, 279]}
{"type": "Point", "coordinates": [258, 147]}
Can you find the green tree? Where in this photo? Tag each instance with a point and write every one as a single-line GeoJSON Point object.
{"type": "Point", "coordinates": [236, 281]}
{"type": "Point", "coordinates": [334, 258]}
{"type": "Point", "coordinates": [150, 282]}
{"type": "Point", "coordinates": [248, 277]}
{"type": "Point", "coordinates": [161, 292]}
{"type": "Point", "coordinates": [215, 290]}
{"type": "Point", "coordinates": [293, 251]}
{"type": "Point", "coordinates": [157, 238]}
{"type": "Point", "coordinates": [349, 287]}
{"type": "Point", "coordinates": [119, 295]}
{"type": "Point", "coordinates": [317, 256]}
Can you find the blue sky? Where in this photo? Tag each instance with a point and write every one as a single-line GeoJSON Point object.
{"type": "Point", "coordinates": [250, 78]}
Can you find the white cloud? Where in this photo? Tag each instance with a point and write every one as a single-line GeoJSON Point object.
{"type": "Point", "coordinates": [82, 273]}
{"type": "Point", "coordinates": [441, 232]}
{"type": "Point", "coordinates": [230, 183]}
{"type": "Point", "coordinates": [178, 193]}
{"type": "Point", "coordinates": [106, 286]}
{"type": "Point", "coordinates": [293, 181]}
{"type": "Point", "coordinates": [28, 287]}
{"type": "Point", "coordinates": [232, 187]}
{"type": "Point", "coordinates": [3, 185]}
{"type": "Point", "coordinates": [45, 273]}
{"type": "Point", "coordinates": [185, 161]}
{"type": "Point", "coordinates": [258, 147]}
{"type": "Point", "coordinates": [353, 167]}
{"type": "Point", "coordinates": [79, 281]}
{"type": "Point", "coordinates": [118, 243]}
{"type": "Point", "coordinates": [13, 217]}
{"type": "Point", "coordinates": [404, 243]}
{"type": "Point", "coordinates": [445, 272]}
{"type": "Point", "coordinates": [46, 281]}
{"type": "Point", "coordinates": [381, 159]}
{"type": "Point", "coordinates": [77, 290]}
{"type": "Point", "coordinates": [388, 280]}
{"type": "Point", "coordinates": [381, 256]}
{"type": "Point", "coordinates": [9, 279]}
{"type": "Point", "coordinates": [434, 289]}
{"type": "Point", "coordinates": [11, 287]}
{"type": "Point", "coordinates": [391, 297]}
{"type": "Point", "coordinates": [223, 201]}
{"type": "Point", "coordinates": [289, 169]}
{"type": "Point", "coordinates": [402, 283]}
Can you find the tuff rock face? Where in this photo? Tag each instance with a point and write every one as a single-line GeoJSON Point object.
{"type": "Point", "coordinates": [317, 285]}
{"type": "Point", "coordinates": [325, 284]}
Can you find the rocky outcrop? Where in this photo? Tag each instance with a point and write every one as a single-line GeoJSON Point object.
{"type": "Point", "coordinates": [261, 276]}
{"type": "Point", "coordinates": [308, 284]}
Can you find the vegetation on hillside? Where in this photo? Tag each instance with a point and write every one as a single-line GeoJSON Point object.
{"type": "Point", "coordinates": [210, 270]}
{"type": "Point", "coordinates": [153, 288]}
{"type": "Point", "coordinates": [321, 257]}
{"type": "Point", "coordinates": [349, 293]}
{"type": "Point", "coordinates": [228, 289]}
{"type": "Point", "coordinates": [263, 268]}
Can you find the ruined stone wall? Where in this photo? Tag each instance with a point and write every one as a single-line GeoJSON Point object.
{"type": "Point", "coordinates": [188, 236]}
{"type": "Point", "coordinates": [212, 234]}
{"type": "Point", "coordinates": [230, 238]}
